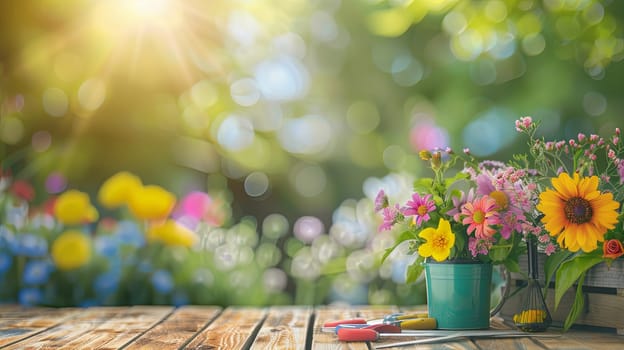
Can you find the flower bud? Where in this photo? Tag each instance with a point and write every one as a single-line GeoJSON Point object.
{"type": "Point", "coordinates": [424, 155]}
{"type": "Point", "coordinates": [436, 160]}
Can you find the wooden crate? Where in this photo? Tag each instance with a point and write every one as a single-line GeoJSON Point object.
{"type": "Point", "coordinates": [603, 290]}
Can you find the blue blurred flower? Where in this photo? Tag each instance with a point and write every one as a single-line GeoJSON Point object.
{"type": "Point", "coordinates": [7, 238]}
{"type": "Point", "coordinates": [89, 303]}
{"type": "Point", "coordinates": [144, 266]}
{"type": "Point", "coordinates": [30, 245]}
{"type": "Point", "coordinates": [162, 281]}
{"type": "Point", "coordinates": [179, 298]}
{"type": "Point", "coordinates": [37, 272]}
{"type": "Point", "coordinates": [17, 215]}
{"type": "Point", "coordinates": [106, 283]}
{"type": "Point", "coordinates": [130, 233]}
{"type": "Point", "coordinates": [5, 262]}
{"type": "Point", "coordinates": [107, 246]}
{"type": "Point", "coordinates": [30, 296]}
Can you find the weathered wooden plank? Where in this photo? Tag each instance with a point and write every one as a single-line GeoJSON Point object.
{"type": "Point", "coordinates": [84, 324]}
{"type": "Point", "coordinates": [329, 341]}
{"type": "Point", "coordinates": [598, 340]}
{"type": "Point", "coordinates": [177, 330]}
{"type": "Point", "coordinates": [20, 323]}
{"type": "Point", "coordinates": [235, 328]}
{"type": "Point", "coordinates": [120, 330]}
{"type": "Point", "coordinates": [285, 328]}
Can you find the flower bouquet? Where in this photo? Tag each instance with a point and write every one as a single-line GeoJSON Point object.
{"type": "Point", "coordinates": [479, 213]}
{"type": "Point", "coordinates": [580, 183]}
{"type": "Point", "coordinates": [565, 195]}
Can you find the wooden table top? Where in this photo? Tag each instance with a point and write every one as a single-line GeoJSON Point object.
{"type": "Point", "coordinates": [211, 327]}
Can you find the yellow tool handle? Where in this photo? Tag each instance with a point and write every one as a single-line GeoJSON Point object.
{"type": "Point", "coordinates": [410, 316]}
{"type": "Point", "coordinates": [419, 323]}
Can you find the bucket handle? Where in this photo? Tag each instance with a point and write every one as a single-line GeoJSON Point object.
{"type": "Point", "coordinates": [506, 292]}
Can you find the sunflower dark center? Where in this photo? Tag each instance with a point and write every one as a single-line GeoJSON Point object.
{"type": "Point", "coordinates": [578, 210]}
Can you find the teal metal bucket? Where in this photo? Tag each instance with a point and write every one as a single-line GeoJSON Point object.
{"type": "Point", "coordinates": [458, 294]}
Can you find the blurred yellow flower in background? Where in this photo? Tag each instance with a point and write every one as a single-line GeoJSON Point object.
{"type": "Point", "coordinates": [171, 233]}
{"type": "Point", "coordinates": [151, 202]}
{"type": "Point", "coordinates": [74, 207]}
{"type": "Point", "coordinates": [71, 250]}
{"type": "Point", "coordinates": [116, 191]}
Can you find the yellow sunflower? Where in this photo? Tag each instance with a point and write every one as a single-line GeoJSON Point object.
{"type": "Point", "coordinates": [577, 212]}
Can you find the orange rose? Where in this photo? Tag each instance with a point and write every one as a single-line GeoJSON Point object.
{"type": "Point", "coordinates": [612, 249]}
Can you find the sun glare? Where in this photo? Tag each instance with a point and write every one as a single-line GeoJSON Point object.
{"type": "Point", "coordinates": [147, 10]}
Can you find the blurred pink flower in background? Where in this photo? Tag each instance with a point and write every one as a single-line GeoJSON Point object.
{"type": "Point", "coordinates": [198, 206]}
{"type": "Point", "coordinates": [426, 135]}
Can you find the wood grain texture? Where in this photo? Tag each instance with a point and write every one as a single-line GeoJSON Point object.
{"type": "Point", "coordinates": [284, 328]}
{"type": "Point", "coordinates": [234, 329]}
{"type": "Point", "coordinates": [17, 323]}
{"type": "Point", "coordinates": [327, 340]}
{"type": "Point", "coordinates": [176, 330]}
{"type": "Point", "coordinates": [207, 327]}
{"type": "Point", "coordinates": [96, 328]}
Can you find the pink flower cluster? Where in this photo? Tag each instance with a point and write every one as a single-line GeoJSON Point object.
{"type": "Point", "coordinates": [496, 202]}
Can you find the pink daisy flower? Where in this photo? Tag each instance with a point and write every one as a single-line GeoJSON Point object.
{"type": "Point", "coordinates": [391, 215]}
{"type": "Point", "coordinates": [420, 207]}
{"type": "Point", "coordinates": [480, 215]}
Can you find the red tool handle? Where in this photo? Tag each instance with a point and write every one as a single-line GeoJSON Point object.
{"type": "Point", "coordinates": [357, 334]}
{"type": "Point", "coordinates": [351, 321]}
{"type": "Point", "coordinates": [384, 328]}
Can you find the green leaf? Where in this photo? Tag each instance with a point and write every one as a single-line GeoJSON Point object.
{"type": "Point", "coordinates": [405, 236]}
{"type": "Point", "coordinates": [512, 266]}
{"type": "Point", "coordinates": [571, 271]}
{"type": "Point", "coordinates": [551, 265]}
{"type": "Point", "coordinates": [415, 270]}
{"type": "Point", "coordinates": [423, 185]}
{"type": "Point", "coordinates": [577, 306]}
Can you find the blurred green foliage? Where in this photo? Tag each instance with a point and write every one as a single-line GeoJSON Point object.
{"type": "Point", "coordinates": [289, 107]}
{"type": "Point", "coordinates": [292, 108]}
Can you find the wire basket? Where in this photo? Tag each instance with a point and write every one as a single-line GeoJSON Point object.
{"type": "Point", "coordinates": [534, 315]}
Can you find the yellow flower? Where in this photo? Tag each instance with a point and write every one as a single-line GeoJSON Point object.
{"type": "Point", "coordinates": [439, 241]}
{"type": "Point", "coordinates": [172, 234]}
{"type": "Point", "coordinates": [151, 202]}
{"type": "Point", "coordinates": [117, 189]}
{"type": "Point", "coordinates": [74, 207]}
{"type": "Point", "coordinates": [71, 250]}
{"type": "Point", "coordinates": [530, 316]}
{"type": "Point", "coordinates": [577, 212]}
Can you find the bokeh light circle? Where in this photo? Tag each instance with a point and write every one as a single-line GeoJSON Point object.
{"type": "Point", "coordinates": [11, 130]}
{"type": "Point", "coordinates": [256, 184]}
{"type": "Point", "coordinates": [274, 279]}
{"type": "Point", "coordinates": [91, 94]}
{"type": "Point", "coordinates": [245, 92]}
{"type": "Point", "coordinates": [275, 226]}
{"type": "Point", "coordinates": [307, 228]}
{"type": "Point", "coordinates": [41, 141]}
{"type": "Point", "coordinates": [55, 102]}
{"type": "Point", "coordinates": [236, 133]}
{"type": "Point", "coordinates": [309, 180]}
